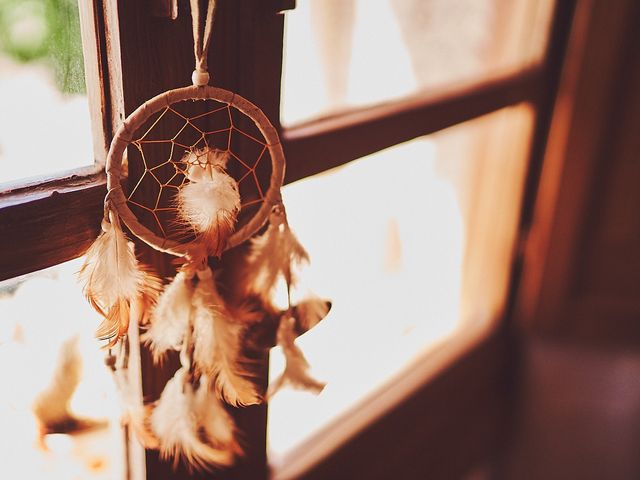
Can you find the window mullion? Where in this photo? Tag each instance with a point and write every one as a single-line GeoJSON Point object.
{"type": "Point", "coordinates": [326, 143]}
{"type": "Point", "coordinates": [154, 54]}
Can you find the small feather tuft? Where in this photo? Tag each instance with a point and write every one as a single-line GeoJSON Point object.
{"type": "Point", "coordinates": [210, 202]}
{"type": "Point", "coordinates": [296, 369]}
{"type": "Point", "coordinates": [115, 323]}
{"type": "Point", "coordinates": [310, 312]}
{"type": "Point", "coordinates": [217, 348]}
{"type": "Point", "coordinates": [150, 292]}
{"type": "Point", "coordinates": [177, 427]}
{"type": "Point", "coordinates": [112, 280]}
{"type": "Point", "coordinates": [170, 318]}
{"type": "Point", "coordinates": [273, 254]}
{"type": "Point", "coordinates": [215, 421]}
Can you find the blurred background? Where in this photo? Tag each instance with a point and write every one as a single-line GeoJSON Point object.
{"type": "Point", "coordinates": [419, 256]}
{"type": "Point", "coordinates": [44, 126]}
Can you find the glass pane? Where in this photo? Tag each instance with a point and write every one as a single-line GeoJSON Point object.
{"type": "Point", "coordinates": [413, 245]}
{"type": "Point", "coordinates": [44, 119]}
{"type": "Point", "coordinates": [345, 53]}
{"type": "Point", "coordinates": [53, 374]}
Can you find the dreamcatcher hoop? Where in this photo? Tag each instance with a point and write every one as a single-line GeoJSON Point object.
{"type": "Point", "coordinates": [124, 137]}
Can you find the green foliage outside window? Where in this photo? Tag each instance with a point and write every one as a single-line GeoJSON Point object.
{"type": "Point", "coordinates": [45, 31]}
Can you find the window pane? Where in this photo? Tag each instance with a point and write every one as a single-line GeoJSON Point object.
{"type": "Point", "coordinates": [413, 246]}
{"type": "Point", "coordinates": [343, 53]}
{"type": "Point", "coordinates": [44, 119]}
{"type": "Point", "coordinates": [48, 357]}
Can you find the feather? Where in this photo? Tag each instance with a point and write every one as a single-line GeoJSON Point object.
{"type": "Point", "coordinates": [177, 428]}
{"type": "Point", "coordinates": [202, 157]}
{"type": "Point", "coordinates": [217, 349]}
{"type": "Point", "coordinates": [115, 323]}
{"type": "Point", "coordinates": [215, 421]}
{"type": "Point", "coordinates": [310, 312]}
{"type": "Point", "coordinates": [134, 412]}
{"type": "Point", "coordinates": [149, 294]}
{"type": "Point", "coordinates": [112, 280]}
{"type": "Point", "coordinates": [296, 367]}
{"type": "Point", "coordinates": [210, 202]}
{"type": "Point", "coordinates": [247, 313]}
{"type": "Point", "coordinates": [170, 317]}
{"type": "Point", "coordinates": [52, 404]}
{"type": "Point", "coordinates": [273, 254]}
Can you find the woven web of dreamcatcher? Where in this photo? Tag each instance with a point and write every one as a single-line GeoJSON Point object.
{"type": "Point", "coordinates": [157, 170]}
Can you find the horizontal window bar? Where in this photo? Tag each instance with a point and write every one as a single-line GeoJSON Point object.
{"type": "Point", "coordinates": [325, 143]}
{"type": "Point", "coordinates": [49, 224]}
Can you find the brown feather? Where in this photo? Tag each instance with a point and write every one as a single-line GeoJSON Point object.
{"type": "Point", "coordinates": [296, 372]}
{"type": "Point", "coordinates": [113, 280]}
{"type": "Point", "coordinates": [151, 288]}
{"type": "Point", "coordinates": [217, 345]}
{"type": "Point", "coordinates": [273, 255]}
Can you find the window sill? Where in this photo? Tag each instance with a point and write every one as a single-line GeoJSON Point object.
{"type": "Point", "coordinates": [420, 385]}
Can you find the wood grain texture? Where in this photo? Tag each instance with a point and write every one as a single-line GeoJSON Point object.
{"type": "Point", "coordinates": [51, 224]}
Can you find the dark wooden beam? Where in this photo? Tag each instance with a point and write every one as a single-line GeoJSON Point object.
{"type": "Point", "coordinates": [580, 269]}
{"type": "Point", "coordinates": [49, 224]}
{"type": "Point", "coordinates": [311, 148]}
{"type": "Point", "coordinates": [155, 54]}
{"type": "Point", "coordinates": [328, 142]}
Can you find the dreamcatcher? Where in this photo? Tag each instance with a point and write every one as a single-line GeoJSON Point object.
{"type": "Point", "coordinates": [187, 149]}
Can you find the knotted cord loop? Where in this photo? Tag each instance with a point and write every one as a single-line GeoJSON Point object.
{"type": "Point", "coordinates": [201, 41]}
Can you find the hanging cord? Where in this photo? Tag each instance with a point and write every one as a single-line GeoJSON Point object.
{"type": "Point", "coordinates": [201, 41]}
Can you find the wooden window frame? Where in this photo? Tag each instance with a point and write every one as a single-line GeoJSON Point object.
{"type": "Point", "coordinates": [54, 221]}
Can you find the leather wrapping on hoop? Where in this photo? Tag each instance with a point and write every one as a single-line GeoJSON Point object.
{"type": "Point", "coordinates": [133, 122]}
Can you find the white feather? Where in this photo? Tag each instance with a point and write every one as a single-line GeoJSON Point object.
{"type": "Point", "coordinates": [204, 340]}
{"type": "Point", "coordinates": [217, 345]}
{"type": "Point", "coordinates": [273, 254]}
{"type": "Point", "coordinates": [110, 270]}
{"type": "Point", "coordinates": [296, 368]}
{"type": "Point", "coordinates": [205, 202]}
{"type": "Point", "coordinates": [210, 201]}
{"type": "Point", "coordinates": [170, 317]}
{"type": "Point", "coordinates": [177, 427]}
{"type": "Point", "coordinates": [112, 280]}
{"type": "Point", "coordinates": [216, 422]}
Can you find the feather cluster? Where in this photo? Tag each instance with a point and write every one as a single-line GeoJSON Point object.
{"type": "Point", "coordinates": [273, 255]}
{"type": "Point", "coordinates": [193, 425]}
{"type": "Point", "coordinates": [114, 280]}
{"type": "Point", "coordinates": [216, 337]}
{"type": "Point", "coordinates": [210, 202]}
{"type": "Point", "coordinates": [190, 421]}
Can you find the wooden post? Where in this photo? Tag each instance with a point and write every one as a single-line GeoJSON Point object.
{"type": "Point", "coordinates": [151, 54]}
